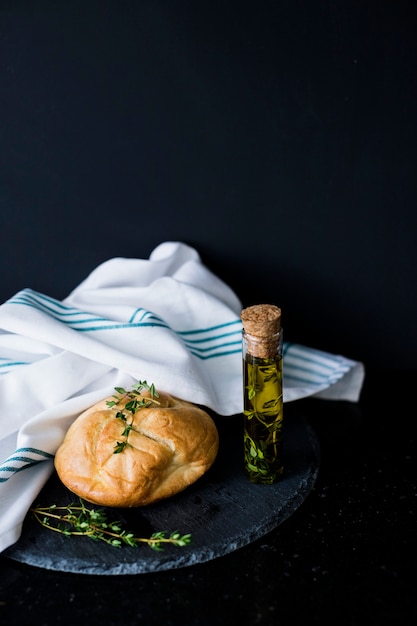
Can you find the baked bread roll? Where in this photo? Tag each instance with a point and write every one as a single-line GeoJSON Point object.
{"type": "Point", "coordinates": [129, 451]}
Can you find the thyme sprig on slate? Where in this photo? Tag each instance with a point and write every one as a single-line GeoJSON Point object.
{"type": "Point", "coordinates": [135, 401]}
{"type": "Point", "coordinates": [79, 520]}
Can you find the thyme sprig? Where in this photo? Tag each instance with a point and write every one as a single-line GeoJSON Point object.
{"type": "Point", "coordinates": [134, 400]}
{"type": "Point", "coordinates": [76, 519]}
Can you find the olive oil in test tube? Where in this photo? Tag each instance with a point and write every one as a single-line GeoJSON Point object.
{"type": "Point", "coordinates": [262, 393]}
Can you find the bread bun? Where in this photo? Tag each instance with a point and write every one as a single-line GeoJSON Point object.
{"type": "Point", "coordinates": [171, 445]}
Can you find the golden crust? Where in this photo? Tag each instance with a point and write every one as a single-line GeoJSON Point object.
{"type": "Point", "coordinates": [171, 446]}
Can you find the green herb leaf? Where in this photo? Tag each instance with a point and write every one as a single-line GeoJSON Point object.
{"type": "Point", "coordinates": [133, 402]}
{"type": "Point", "coordinates": [77, 519]}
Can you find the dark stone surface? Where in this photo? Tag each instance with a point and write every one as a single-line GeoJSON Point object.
{"type": "Point", "coordinates": [223, 511]}
{"type": "Point", "coordinates": [345, 556]}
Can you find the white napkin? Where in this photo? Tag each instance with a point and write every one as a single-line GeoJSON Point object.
{"type": "Point", "coordinates": [167, 320]}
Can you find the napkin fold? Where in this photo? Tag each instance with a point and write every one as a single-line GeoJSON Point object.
{"type": "Point", "coordinates": [167, 320]}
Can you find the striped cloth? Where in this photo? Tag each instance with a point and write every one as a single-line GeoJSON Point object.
{"type": "Point", "coordinates": [167, 320]}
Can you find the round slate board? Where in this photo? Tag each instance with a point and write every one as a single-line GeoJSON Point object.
{"type": "Point", "coordinates": [223, 511]}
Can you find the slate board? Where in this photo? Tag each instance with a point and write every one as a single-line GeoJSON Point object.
{"type": "Point", "coordinates": [223, 511]}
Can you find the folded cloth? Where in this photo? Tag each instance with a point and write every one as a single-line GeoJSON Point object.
{"type": "Point", "coordinates": [167, 320]}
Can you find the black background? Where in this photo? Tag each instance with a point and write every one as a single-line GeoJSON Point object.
{"type": "Point", "coordinates": [278, 138]}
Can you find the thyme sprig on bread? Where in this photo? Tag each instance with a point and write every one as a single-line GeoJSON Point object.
{"type": "Point", "coordinates": [133, 401]}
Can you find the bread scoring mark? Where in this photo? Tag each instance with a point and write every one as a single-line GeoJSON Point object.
{"type": "Point", "coordinates": [169, 444]}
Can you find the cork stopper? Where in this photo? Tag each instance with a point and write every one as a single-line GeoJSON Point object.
{"type": "Point", "coordinates": [261, 324]}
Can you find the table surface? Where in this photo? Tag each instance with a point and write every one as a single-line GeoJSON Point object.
{"type": "Point", "coordinates": [346, 554]}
